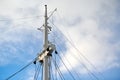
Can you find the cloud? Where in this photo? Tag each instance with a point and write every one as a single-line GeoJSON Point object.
{"type": "Point", "coordinates": [88, 22]}
{"type": "Point", "coordinates": [92, 32]}
{"type": "Point", "coordinates": [15, 40]}
{"type": "Point", "coordinates": [18, 28]}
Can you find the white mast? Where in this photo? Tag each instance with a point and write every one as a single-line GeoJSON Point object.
{"type": "Point", "coordinates": [45, 30]}
{"type": "Point", "coordinates": [48, 48]}
{"type": "Point", "coordinates": [45, 60]}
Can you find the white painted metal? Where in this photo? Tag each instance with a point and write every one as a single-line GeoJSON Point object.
{"type": "Point", "coordinates": [47, 50]}
{"type": "Point", "coordinates": [45, 30]}
{"type": "Point", "coordinates": [45, 60]}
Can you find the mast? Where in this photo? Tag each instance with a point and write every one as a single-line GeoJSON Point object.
{"type": "Point", "coordinates": [45, 60]}
{"type": "Point", "coordinates": [45, 29]}
{"type": "Point", "coordinates": [48, 48]}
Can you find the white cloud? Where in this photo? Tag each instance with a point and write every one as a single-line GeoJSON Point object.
{"type": "Point", "coordinates": [86, 21]}
{"type": "Point", "coordinates": [92, 33]}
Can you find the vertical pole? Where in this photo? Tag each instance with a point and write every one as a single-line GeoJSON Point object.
{"type": "Point", "coordinates": [46, 58]}
{"type": "Point", "coordinates": [46, 29]}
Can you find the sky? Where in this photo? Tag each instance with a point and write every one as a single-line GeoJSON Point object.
{"type": "Point", "coordinates": [81, 27]}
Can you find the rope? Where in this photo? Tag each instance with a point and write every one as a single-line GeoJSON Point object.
{"type": "Point", "coordinates": [81, 55]}
{"type": "Point", "coordinates": [70, 64]}
{"type": "Point", "coordinates": [90, 73]}
{"type": "Point", "coordinates": [37, 72]}
{"type": "Point", "coordinates": [32, 17]}
{"type": "Point", "coordinates": [79, 50]}
{"type": "Point", "coordinates": [57, 67]}
{"type": "Point", "coordinates": [51, 70]}
{"type": "Point", "coordinates": [67, 68]}
{"type": "Point", "coordinates": [20, 70]}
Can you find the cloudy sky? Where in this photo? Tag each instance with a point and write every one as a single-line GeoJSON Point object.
{"type": "Point", "coordinates": [88, 28]}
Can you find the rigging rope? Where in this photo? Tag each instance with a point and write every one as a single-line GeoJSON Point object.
{"type": "Point", "coordinates": [51, 69]}
{"type": "Point", "coordinates": [84, 58]}
{"type": "Point", "coordinates": [42, 74]}
{"type": "Point", "coordinates": [66, 67]}
{"type": "Point", "coordinates": [90, 73]}
{"type": "Point", "coordinates": [94, 67]}
{"type": "Point", "coordinates": [32, 17]}
{"type": "Point", "coordinates": [37, 71]}
{"type": "Point", "coordinates": [59, 72]}
{"type": "Point", "coordinates": [20, 70]}
{"type": "Point", "coordinates": [81, 54]}
{"type": "Point", "coordinates": [55, 69]}
{"type": "Point", "coordinates": [70, 64]}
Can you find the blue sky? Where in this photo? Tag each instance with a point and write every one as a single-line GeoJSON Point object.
{"type": "Point", "coordinates": [92, 26]}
